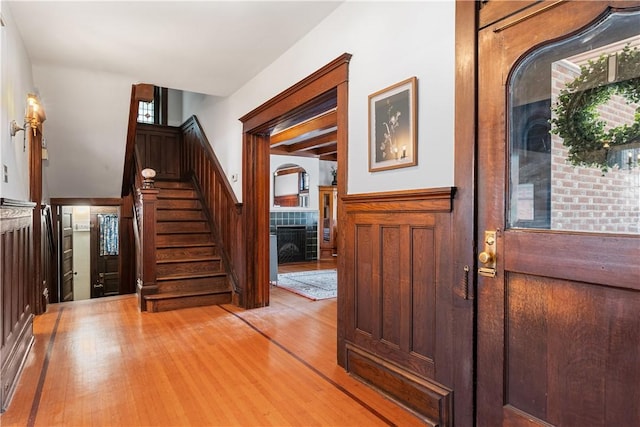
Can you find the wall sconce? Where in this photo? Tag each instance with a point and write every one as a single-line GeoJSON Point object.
{"type": "Point", "coordinates": [35, 113]}
{"type": "Point", "coordinates": [14, 128]}
{"type": "Point", "coordinates": [34, 116]}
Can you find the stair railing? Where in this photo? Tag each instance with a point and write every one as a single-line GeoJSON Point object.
{"type": "Point", "coordinates": [201, 164]}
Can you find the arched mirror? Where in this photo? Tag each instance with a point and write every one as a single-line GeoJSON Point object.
{"type": "Point", "coordinates": [291, 186]}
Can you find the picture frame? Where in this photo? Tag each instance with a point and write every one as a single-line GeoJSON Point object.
{"type": "Point", "coordinates": [393, 130]}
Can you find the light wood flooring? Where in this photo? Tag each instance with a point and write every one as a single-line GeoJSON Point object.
{"type": "Point", "coordinates": [321, 264]}
{"type": "Point", "coordinates": [103, 363]}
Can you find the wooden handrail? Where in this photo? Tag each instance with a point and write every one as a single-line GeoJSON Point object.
{"type": "Point", "coordinates": [139, 92]}
{"type": "Point", "coordinates": [144, 201]}
{"type": "Point", "coordinates": [201, 164]}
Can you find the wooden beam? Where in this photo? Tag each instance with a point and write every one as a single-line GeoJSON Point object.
{"type": "Point", "coordinates": [325, 121]}
{"type": "Point", "coordinates": [332, 157]}
{"type": "Point", "coordinates": [311, 143]}
{"type": "Point", "coordinates": [326, 150]}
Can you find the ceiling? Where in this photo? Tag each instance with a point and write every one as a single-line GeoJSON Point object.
{"type": "Point", "coordinates": [204, 46]}
{"type": "Point", "coordinates": [222, 44]}
{"type": "Point", "coordinates": [309, 131]}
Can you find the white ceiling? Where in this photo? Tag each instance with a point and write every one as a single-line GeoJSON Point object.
{"type": "Point", "coordinates": [210, 47]}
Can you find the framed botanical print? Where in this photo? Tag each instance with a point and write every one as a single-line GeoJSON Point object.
{"type": "Point", "coordinates": [393, 136]}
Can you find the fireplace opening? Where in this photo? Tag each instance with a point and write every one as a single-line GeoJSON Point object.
{"type": "Point", "coordinates": [292, 243]}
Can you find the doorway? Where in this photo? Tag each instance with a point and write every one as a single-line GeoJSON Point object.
{"type": "Point", "coordinates": [330, 81]}
{"type": "Point", "coordinates": [89, 252]}
{"type": "Point", "coordinates": [303, 162]}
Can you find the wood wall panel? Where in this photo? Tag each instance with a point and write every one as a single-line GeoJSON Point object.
{"type": "Point", "coordinates": [390, 267]}
{"type": "Point", "coordinates": [363, 280]}
{"type": "Point", "coordinates": [423, 290]}
{"type": "Point", "coordinates": [159, 149]}
{"type": "Point", "coordinates": [17, 292]}
{"type": "Point", "coordinates": [399, 295]}
{"type": "Point", "coordinates": [561, 335]}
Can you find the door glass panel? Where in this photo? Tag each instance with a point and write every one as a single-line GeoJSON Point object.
{"type": "Point", "coordinates": [574, 130]}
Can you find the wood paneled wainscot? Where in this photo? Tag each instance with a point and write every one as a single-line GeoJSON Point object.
{"type": "Point", "coordinates": [16, 292]}
{"type": "Point", "coordinates": [399, 295]}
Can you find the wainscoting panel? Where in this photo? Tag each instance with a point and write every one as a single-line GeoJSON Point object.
{"type": "Point", "coordinates": [16, 292]}
{"type": "Point", "coordinates": [399, 294]}
{"type": "Point", "coordinates": [363, 281]}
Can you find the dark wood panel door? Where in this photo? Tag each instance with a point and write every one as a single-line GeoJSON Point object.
{"type": "Point", "coordinates": [105, 257]}
{"type": "Point", "coordinates": [67, 256]}
{"type": "Point", "coordinates": [559, 282]}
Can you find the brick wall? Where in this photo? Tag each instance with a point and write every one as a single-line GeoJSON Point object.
{"type": "Point", "coordinates": [585, 199]}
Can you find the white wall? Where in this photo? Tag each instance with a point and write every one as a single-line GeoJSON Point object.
{"type": "Point", "coordinates": [174, 107]}
{"type": "Point", "coordinates": [311, 165]}
{"type": "Point", "coordinates": [86, 130]}
{"type": "Point", "coordinates": [16, 82]}
{"type": "Point", "coordinates": [81, 253]}
{"type": "Point", "coordinates": [325, 176]}
{"type": "Point", "coordinates": [390, 41]}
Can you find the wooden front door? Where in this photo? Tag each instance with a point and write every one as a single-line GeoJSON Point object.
{"type": "Point", "coordinates": [105, 252]}
{"type": "Point", "coordinates": [67, 255]}
{"type": "Point", "coordinates": [558, 326]}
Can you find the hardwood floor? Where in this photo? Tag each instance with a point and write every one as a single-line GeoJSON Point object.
{"type": "Point", "coordinates": [102, 362]}
{"type": "Point", "coordinates": [324, 264]}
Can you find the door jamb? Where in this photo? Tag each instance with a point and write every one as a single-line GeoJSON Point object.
{"type": "Point", "coordinates": [464, 231]}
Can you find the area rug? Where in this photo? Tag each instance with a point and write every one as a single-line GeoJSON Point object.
{"type": "Point", "coordinates": [315, 285]}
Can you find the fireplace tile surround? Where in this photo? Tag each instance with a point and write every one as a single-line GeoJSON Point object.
{"type": "Point", "coordinates": [307, 218]}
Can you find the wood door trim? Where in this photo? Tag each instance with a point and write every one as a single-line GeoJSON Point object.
{"type": "Point", "coordinates": [284, 102]}
{"type": "Point", "coordinates": [463, 281]}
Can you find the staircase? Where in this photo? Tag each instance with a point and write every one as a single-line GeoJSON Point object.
{"type": "Point", "coordinates": [189, 269]}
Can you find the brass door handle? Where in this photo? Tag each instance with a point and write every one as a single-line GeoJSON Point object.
{"type": "Point", "coordinates": [485, 258]}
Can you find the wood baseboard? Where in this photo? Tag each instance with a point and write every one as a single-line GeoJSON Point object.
{"type": "Point", "coordinates": [426, 399]}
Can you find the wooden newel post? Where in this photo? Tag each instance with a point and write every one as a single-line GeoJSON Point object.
{"type": "Point", "coordinates": [148, 197]}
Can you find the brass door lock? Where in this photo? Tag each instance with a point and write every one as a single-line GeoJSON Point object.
{"type": "Point", "coordinates": [488, 256]}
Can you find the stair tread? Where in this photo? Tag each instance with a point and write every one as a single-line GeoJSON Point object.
{"type": "Point", "coordinates": [182, 220]}
{"type": "Point", "coordinates": [179, 294]}
{"type": "Point", "coordinates": [184, 245]}
{"type": "Point", "coordinates": [183, 232]}
{"type": "Point", "coordinates": [189, 259]}
{"type": "Point", "coordinates": [166, 197]}
{"type": "Point", "coordinates": [191, 276]}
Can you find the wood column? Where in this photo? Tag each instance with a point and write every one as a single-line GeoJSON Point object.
{"type": "Point", "coordinates": [35, 195]}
